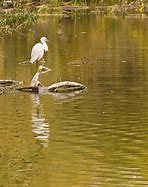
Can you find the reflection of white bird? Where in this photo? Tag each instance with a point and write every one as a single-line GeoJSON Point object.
{"type": "Point", "coordinates": [38, 50]}
{"type": "Point", "coordinates": [39, 123]}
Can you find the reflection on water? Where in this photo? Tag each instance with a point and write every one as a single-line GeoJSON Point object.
{"type": "Point", "coordinates": [94, 138]}
{"type": "Point", "coordinates": [67, 97]}
{"type": "Point", "coordinates": [39, 124]}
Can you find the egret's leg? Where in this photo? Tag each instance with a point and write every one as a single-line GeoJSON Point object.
{"type": "Point", "coordinates": [43, 61]}
{"type": "Point", "coordinates": [37, 65]}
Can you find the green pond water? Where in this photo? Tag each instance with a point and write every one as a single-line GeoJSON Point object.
{"type": "Point", "coordinates": [98, 137]}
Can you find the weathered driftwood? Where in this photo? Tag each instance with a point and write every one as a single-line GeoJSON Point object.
{"type": "Point", "coordinates": [28, 89]}
{"type": "Point", "coordinates": [66, 86]}
{"type": "Point", "coordinates": [60, 87]}
{"type": "Point", "coordinates": [4, 83]}
{"type": "Point", "coordinates": [8, 85]}
{"type": "Point", "coordinates": [36, 86]}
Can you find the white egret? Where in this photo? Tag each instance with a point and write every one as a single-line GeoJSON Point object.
{"type": "Point", "coordinates": [38, 50]}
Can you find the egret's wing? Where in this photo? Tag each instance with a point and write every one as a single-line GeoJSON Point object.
{"type": "Point", "coordinates": [37, 52]}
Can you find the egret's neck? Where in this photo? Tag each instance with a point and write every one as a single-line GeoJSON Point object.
{"type": "Point", "coordinates": [45, 46]}
{"type": "Point", "coordinates": [34, 81]}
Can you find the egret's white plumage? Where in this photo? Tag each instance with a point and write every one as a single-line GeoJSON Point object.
{"type": "Point", "coordinates": [38, 50]}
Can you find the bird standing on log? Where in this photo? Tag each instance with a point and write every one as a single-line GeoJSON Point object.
{"type": "Point", "coordinates": [38, 50]}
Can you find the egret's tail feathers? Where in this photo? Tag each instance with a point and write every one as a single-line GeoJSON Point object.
{"type": "Point", "coordinates": [32, 60]}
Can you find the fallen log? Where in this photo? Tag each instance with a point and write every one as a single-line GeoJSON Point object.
{"type": "Point", "coordinates": [9, 85]}
{"type": "Point", "coordinates": [60, 87]}
{"type": "Point", "coordinates": [28, 89]}
{"type": "Point", "coordinates": [66, 86]}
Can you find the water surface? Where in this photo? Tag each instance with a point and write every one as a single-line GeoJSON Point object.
{"type": "Point", "coordinates": [95, 138]}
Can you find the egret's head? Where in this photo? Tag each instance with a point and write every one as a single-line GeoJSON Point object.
{"type": "Point", "coordinates": [43, 69]}
{"type": "Point", "coordinates": [43, 39]}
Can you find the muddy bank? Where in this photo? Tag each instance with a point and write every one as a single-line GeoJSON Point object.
{"type": "Point", "coordinates": [67, 8]}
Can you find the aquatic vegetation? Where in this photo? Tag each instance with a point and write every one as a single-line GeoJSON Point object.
{"type": "Point", "coordinates": [10, 22]}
